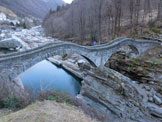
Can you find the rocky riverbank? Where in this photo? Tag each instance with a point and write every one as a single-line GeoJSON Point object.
{"type": "Point", "coordinates": [71, 63]}
{"type": "Point", "coordinates": [147, 70]}
{"type": "Point", "coordinates": [117, 96]}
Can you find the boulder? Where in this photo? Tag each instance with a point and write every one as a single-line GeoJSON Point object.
{"type": "Point", "coordinates": [10, 43]}
{"type": "Point", "coordinates": [158, 101]}
{"type": "Point", "coordinates": [14, 88]}
{"type": "Point", "coordinates": [15, 22]}
{"type": "Point", "coordinates": [5, 22]}
{"type": "Point", "coordinates": [154, 110]}
{"type": "Point", "coordinates": [18, 88]}
{"type": "Point", "coordinates": [2, 17]}
{"type": "Point", "coordinates": [28, 23]}
{"type": "Point", "coordinates": [83, 65]}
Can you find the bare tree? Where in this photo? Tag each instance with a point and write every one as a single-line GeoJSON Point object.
{"type": "Point", "coordinates": [92, 30]}
{"type": "Point", "coordinates": [100, 19]}
{"type": "Point", "coordinates": [95, 19]}
{"type": "Point", "coordinates": [160, 10]}
{"type": "Point", "coordinates": [131, 11]}
{"type": "Point", "coordinates": [147, 9]}
{"type": "Point", "coordinates": [109, 20]}
{"type": "Point", "coordinates": [71, 21]}
{"type": "Point", "coordinates": [137, 13]}
{"type": "Point", "coordinates": [82, 23]}
{"type": "Point", "coordinates": [97, 15]}
{"type": "Point", "coordinates": [118, 13]}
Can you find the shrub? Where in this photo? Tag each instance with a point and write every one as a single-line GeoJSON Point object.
{"type": "Point", "coordinates": [64, 56]}
{"type": "Point", "coordinates": [11, 103]}
{"type": "Point", "coordinates": [146, 32]}
{"type": "Point", "coordinates": [67, 36]}
{"type": "Point", "coordinates": [157, 31]}
{"type": "Point", "coordinates": [151, 24]}
{"type": "Point", "coordinates": [24, 26]}
{"type": "Point", "coordinates": [134, 34]}
{"type": "Point", "coordinates": [57, 96]}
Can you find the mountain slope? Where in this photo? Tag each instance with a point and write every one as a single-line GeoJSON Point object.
{"type": "Point", "coordinates": [36, 8]}
{"type": "Point", "coordinates": [8, 12]}
{"type": "Point", "coordinates": [96, 20]}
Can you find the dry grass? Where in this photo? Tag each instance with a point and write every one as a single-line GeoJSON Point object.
{"type": "Point", "coordinates": [4, 112]}
{"type": "Point", "coordinates": [7, 12]}
{"type": "Point", "coordinates": [47, 111]}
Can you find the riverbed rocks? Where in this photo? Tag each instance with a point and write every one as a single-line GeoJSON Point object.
{"type": "Point", "coordinates": [27, 30]}
{"type": "Point", "coordinates": [8, 21]}
{"type": "Point", "coordinates": [30, 22]}
{"type": "Point", "coordinates": [28, 38]}
{"type": "Point", "coordinates": [155, 111]}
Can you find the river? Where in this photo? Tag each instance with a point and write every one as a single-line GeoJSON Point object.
{"type": "Point", "coordinates": [45, 76]}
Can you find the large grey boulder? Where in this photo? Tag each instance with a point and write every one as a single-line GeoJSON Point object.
{"type": "Point", "coordinates": [12, 89]}
{"type": "Point", "coordinates": [10, 44]}
{"type": "Point", "coordinates": [18, 88]}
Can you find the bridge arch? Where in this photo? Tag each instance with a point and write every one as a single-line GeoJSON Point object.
{"type": "Point", "coordinates": [134, 49]}
{"type": "Point", "coordinates": [90, 61]}
{"type": "Point", "coordinates": [127, 49]}
{"type": "Point", "coordinates": [32, 63]}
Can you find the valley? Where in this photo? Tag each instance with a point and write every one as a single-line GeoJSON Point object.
{"type": "Point", "coordinates": [59, 63]}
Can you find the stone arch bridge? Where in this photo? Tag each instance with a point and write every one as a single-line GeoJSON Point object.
{"type": "Point", "coordinates": [12, 65]}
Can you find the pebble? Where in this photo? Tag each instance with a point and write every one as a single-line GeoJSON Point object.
{"type": "Point", "coordinates": [151, 99]}
{"type": "Point", "coordinates": [157, 100]}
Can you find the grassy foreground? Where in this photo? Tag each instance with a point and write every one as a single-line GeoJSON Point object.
{"type": "Point", "coordinates": [47, 111]}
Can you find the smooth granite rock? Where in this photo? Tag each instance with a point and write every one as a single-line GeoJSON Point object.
{"type": "Point", "coordinates": [10, 43]}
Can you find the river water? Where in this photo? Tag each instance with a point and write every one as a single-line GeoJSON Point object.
{"type": "Point", "coordinates": [45, 76]}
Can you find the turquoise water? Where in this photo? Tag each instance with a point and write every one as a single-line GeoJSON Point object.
{"type": "Point", "coordinates": [45, 76]}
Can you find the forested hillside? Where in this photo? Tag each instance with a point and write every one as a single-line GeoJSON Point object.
{"type": "Point", "coordinates": [99, 20]}
{"type": "Point", "coordinates": [36, 8]}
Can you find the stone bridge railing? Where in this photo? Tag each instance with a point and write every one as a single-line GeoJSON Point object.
{"type": "Point", "coordinates": [12, 65]}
